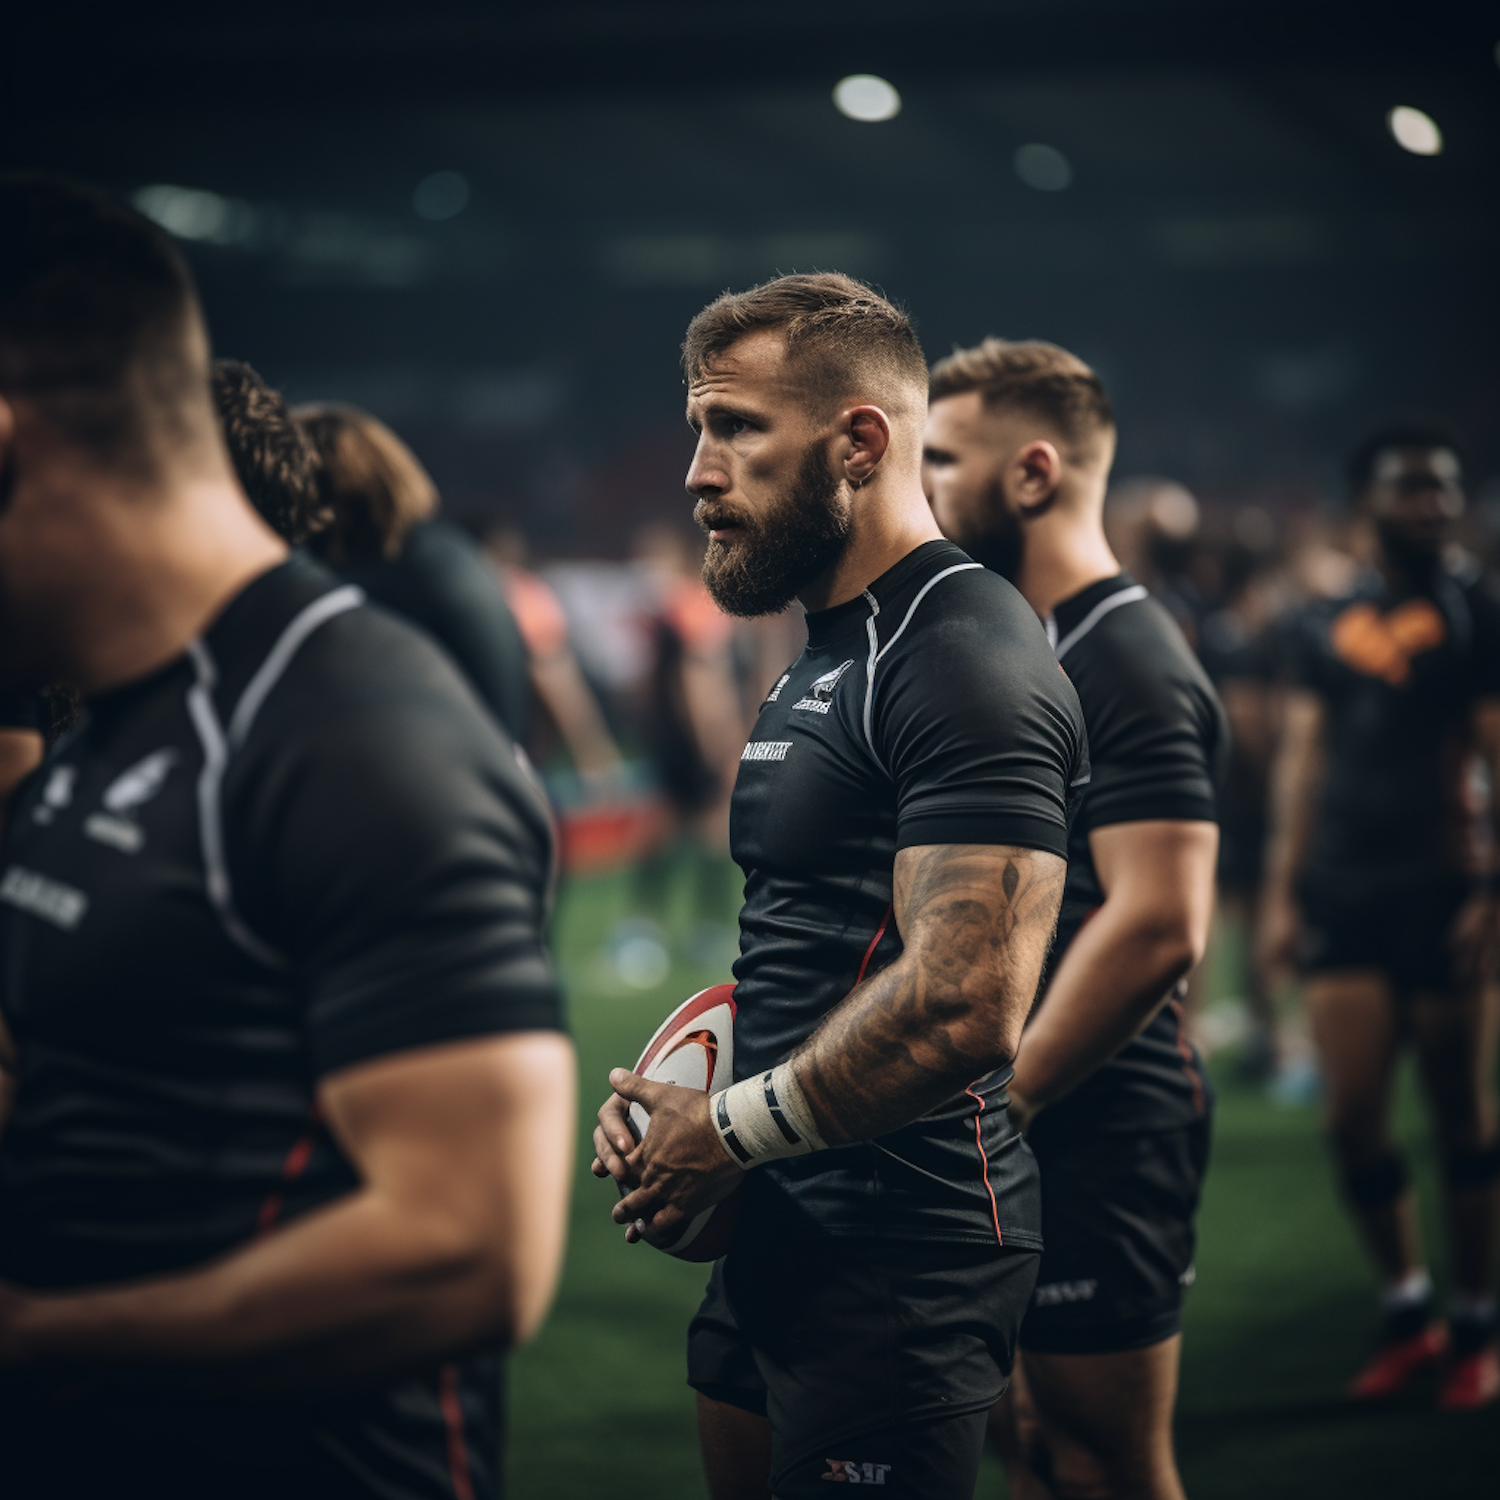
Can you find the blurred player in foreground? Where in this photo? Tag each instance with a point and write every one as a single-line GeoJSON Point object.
{"type": "Point", "coordinates": [1379, 882]}
{"type": "Point", "coordinates": [1017, 454]}
{"type": "Point", "coordinates": [287, 1105]}
{"type": "Point", "coordinates": [900, 816]}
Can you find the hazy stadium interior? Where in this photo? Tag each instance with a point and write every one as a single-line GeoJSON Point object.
{"type": "Point", "coordinates": [488, 225]}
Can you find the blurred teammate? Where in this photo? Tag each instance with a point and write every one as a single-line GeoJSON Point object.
{"type": "Point", "coordinates": [694, 729]}
{"type": "Point", "coordinates": [380, 530]}
{"type": "Point", "coordinates": [900, 816]}
{"type": "Point", "coordinates": [1237, 645]}
{"type": "Point", "coordinates": [557, 678]}
{"type": "Point", "coordinates": [288, 1111]}
{"type": "Point", "coordinates": [1378, 880]}
{"type": "Point", "coordinates": [1017, 455]}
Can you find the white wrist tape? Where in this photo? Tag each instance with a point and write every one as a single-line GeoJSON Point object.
{"type": "Point", "coordinates": [764, 1119]}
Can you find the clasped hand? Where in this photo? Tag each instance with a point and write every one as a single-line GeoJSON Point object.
{"type": "Point", "coordinates": [677, 1170]}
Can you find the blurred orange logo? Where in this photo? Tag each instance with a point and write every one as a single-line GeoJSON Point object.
{"type": "Point", "coordinates": [1382, 645]}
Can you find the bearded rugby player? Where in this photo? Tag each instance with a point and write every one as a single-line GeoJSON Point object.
{"type": "Point", "coordinates": [1019, 443]}
{"type": "Point", "coordinates": [900, 815]}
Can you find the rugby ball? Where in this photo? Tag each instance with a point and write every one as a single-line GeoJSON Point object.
{"type": "Point", "coordinates": [694, 1048]}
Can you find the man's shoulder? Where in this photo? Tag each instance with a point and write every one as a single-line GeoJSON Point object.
{"type": "Point", "coordinates": [951, 599]}
{"type": "Point", "coordinates": [372, 663]}
{"type": "Point", "coordinates": [1136, 659]}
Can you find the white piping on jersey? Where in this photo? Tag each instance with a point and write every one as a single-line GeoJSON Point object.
{"type": "Point", "coordinates": [877, 652]}
{"type": "Point", "coordinates": [1132, 595]}
{"type": "Point", "coordinates": [217, 747]}
{"type": "Point", "coordinates": [269, 672]}
{"type": "Point", "coordinates": [870, 666]}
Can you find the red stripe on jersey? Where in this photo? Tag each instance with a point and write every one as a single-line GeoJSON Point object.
{"type": "Point", "coordinates": [885, 922]}
{"type": "Point", "coordinates": [984, 1165]}
{"type": "Point", "coordinates": [291, 1169]}
{"type": "Point", "coordinates": [1185, 1051]}
{"type": "Point", "coordinates": [453, 1420]}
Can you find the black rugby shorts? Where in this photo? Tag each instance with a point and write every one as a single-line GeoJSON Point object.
{"type": "Point", "coordinates": [1117, 1216]}
{"type": "Point", "coordinates": [1400, 927]}
{"type": "Point", "coordinates": [875, 1361]}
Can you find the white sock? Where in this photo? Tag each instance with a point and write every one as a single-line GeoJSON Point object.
{"type": "Point", "coordinates": [1412, 1290]}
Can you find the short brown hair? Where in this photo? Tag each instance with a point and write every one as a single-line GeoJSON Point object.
{"type": "Point", "coordinates": [99, 324]}
{"type": "Point", "coordinates": [1034, 376]}
{"type": "Point", "coordinates": [272, 457]}
{"type": "Point", "coordinates": [373, 485]}
{"type": "Point", "coordinates": [841, 333]}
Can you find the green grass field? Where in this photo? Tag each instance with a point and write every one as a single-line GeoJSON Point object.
{"type": "Point", "coordinates": [1279, 1317]}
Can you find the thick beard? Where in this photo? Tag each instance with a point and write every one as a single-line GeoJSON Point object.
{"type": "Point", "coordinates": [1001, 545]}
{"type": "Point", "coordinates": [764, 568]}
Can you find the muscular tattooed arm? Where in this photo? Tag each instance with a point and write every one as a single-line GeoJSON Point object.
{"type": "Point", "coordinates": [975, 922]}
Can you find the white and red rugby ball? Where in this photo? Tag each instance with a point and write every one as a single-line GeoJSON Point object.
{"type": "Point", "coordinates": [694, 1048]}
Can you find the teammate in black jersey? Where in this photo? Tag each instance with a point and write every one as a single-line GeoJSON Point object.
{"type": "Point", "coordinates": [1017, 455]}
{"type": "Point", "coordinates": [900, 816]}
{"type": "Point", "coordinates": [1379, 881]}
{"type": "Point", "coordinates": [285, 1160]}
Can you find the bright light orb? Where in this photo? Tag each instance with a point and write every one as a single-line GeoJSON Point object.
{"type": "Point", "coordinates": [1415, 131]}
{"type": "Point", "coordinates": [440, 196]}
{"type": "Point", "coordinates": [863, 96]}
{"type": "Point", "coordinates": [1044, 168]}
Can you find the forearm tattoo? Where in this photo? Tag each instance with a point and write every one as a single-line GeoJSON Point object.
{"type": "Point", "coordinates": [976, 922]}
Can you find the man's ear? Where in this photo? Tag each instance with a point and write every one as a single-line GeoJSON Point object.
{"type": "Point", "coordinates": [868, 431]}
{"type": "Point", "coordinates": [1038, 472]}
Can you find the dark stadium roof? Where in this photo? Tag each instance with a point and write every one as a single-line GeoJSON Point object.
{"type": "Point", "coordinates": [1255, 265]}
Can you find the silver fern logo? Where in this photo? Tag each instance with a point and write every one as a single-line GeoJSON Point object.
{"type": "Point", "coordinates": [819, 696]}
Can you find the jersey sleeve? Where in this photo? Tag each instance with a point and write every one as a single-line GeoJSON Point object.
{"type": "Point", "coordinates": [978, 727]}
{"type": "Point", "coordinates": [1153, 740]}
{"type": "Point", "coordinates": [402, 866]}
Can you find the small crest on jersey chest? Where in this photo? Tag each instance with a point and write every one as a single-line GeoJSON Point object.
{"type": "Point", "coordinates": [819, 696]}
{"type": "Point", "coordinates": [132, 788]}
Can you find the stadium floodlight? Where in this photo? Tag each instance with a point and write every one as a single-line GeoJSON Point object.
{"type": "Point", "coordinates": [441, 195]}
{"type": "Point", "coordinates": [863, 96]}
{"type": "Point", "coordinates": [1415, 130]}
{"type": "Point", "coordinates": [1044, 168]}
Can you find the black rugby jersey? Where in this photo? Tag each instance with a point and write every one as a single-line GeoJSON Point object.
{"type": "Point", "coordinates": [1399, 670]}
{"type": "Point", "coordinates": [1158, 745]}
{"type": "Point", "coordinates": [927, 711]}
{"type": "Point", "coordinates": [300, 845]}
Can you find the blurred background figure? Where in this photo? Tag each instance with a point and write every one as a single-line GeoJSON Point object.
{"type": "Point", "coordinates": [561, 690]}
{"type": "Point", "coordinates": [1381, 881]}
{"type": "Point", "coordinates": [1152, 526]}
{"type": "Point", "coordinates": [693, 727]}
{"type": "Point", "coordinates": [380, 529]}
{"type": "Point", "coordinates": [1237, 645]}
